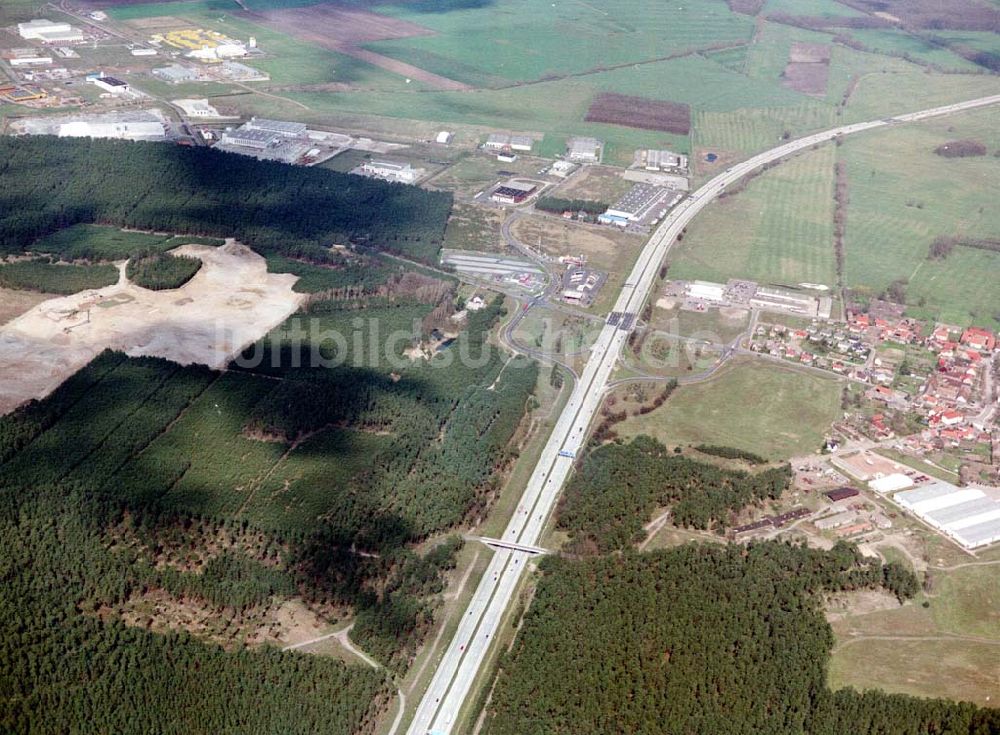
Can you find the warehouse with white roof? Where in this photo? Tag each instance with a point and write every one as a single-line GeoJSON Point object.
{"type": "Point", "coordinates": [965, 514]}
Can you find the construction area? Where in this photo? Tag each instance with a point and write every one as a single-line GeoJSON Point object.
{"type": "Point", "coordinates": [230, 303]}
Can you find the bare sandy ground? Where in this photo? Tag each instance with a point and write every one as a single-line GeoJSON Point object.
{"type": "Point", "coordinates": [14, 303]}
{"type": "Point", "coordinates": [231, 302]}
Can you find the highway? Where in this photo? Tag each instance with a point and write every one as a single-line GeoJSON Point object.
{"type": "Point", "coordinates": [439, 709]}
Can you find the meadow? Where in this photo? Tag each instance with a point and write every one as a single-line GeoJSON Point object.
{"type": "Point", "coordinates": [948, 648]}
{"type": "Point", "coordinates": [531, 39]}
{"type": "Point", "coordinates": [778, 230]}
{"type": "Point", "coordinates": [777, 413]}
{"type": "Point", "coordinates": [902, 196]}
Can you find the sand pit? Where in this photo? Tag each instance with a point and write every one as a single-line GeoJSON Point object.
{"type": "Point", "coordinates": [231, 302]}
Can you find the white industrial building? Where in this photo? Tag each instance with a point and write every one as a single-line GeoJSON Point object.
{"type": "Point", "coordinates": [175, 74]}
{"type": "Point", "coordinates": [562, 169]}
{"type": "Point", "coordinates": [217, 53]}
{"type": "Point", "coordinates": [110, 85]}
{"type": "Point", "coordinates": [965, 514]}
{"type": "Point", "coordinates": [632, 207]}
{"type": "Point", "coordinates": [197, 108]}
{"type": "Point", "coordinates": [584, 149]}
{"type": "Point", "coordinates": [142, 130]}
{"type": "Point", "coordinates": [48, 31]}
{"type": "Point", "coordinates": [891, 483]}
{"type": "Point", "coordinates": [661, 160]}
{"type": "Point", "coordinates": [30, 61]}
{"type": "Point", "coordinates": [706, 291]}
{"type": "Point", "coordinates": [282, 128]}
{"type": "Point", "coordinates": [403, 173]}
{"type": "Point", "coordinates": [247, 138]}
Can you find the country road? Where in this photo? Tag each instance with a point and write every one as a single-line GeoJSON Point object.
{"type": "Point", "coordinates": [440, 707]}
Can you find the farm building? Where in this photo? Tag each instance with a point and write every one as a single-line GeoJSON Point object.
{"type": "Point", "coordinates": [402, 173]}
{"type": "Point", "coordinates": [661, 160]}
{"type": "Point", "coordinates": [521, 142]}
{"type": "Point", "coordinates": [584, 149]}
{"type": "Point", "coordinates": [444, 137]}
{"type": "Point", "coordinates": [841, 494]}
{"type": "Point", "coordinates": [965, 514]}
{"type": "Point", "coordinates": [836, 520]}
{"type": "Point", "coordinates": [513, 192]}
{"type": "Point", "coordinates": [144, 52]}
{"type": "Point", "coordinates": [891, 483]}
{"type": "Point", "coordinates": [48, 31]}
{"type": "Point", "coordinates": [499, 141]}
{"type": "Point", "coordinates": [30, 61]}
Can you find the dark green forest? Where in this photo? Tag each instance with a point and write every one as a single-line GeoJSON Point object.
{"type": "Point", "coordinates": [701, 639]}
{"type": "Point", "coordinates": [332, 461]}
{"type": "Point", "coordinates": [64, 668]}
{"type": "Point", "coordinates": [609, 500]}
{"type": "Point", "coordinates": [272, 207]}
{"type": "Point", "coordinates": [159, 271]}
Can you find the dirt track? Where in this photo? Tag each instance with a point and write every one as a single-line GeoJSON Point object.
{"type": "Point", "coordinates": [231, 302]}
{"type": "Point", "coordinates": [344, 30]}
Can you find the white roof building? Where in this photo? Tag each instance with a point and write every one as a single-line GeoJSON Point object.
{"type": "Point", "coordinates": [965, 514]}
{"type": "Point", "coordinates": [978, 535]}
{"type": "Point", "coordinates": [891, 483]}
{"type": "Point", "coordinates": [705, 290]}
{"type": "Point", "coordinates": [41, 28]}
{"type": "Point", "coordinates": [444, 137]}
{"type": "Point", "coordinates": [222, 51]}
{"type": "Point", "coordinates": [115, 130]}
{"type": "Point", "coordinates": [278, 127]}
{"type": "Point", "coordinates": [583, 149]}
{"type": "Point", "coordinates": [403, 173]}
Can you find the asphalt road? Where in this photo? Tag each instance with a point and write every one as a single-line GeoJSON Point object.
{"type": "Point", "coordinates": [440, 706]}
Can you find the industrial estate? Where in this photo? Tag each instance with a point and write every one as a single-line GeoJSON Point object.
{"type": "Point", "coordinates": [448, 366]}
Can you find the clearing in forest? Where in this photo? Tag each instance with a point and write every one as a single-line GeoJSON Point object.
{"type": "Point", "coordinates": [230, 303]}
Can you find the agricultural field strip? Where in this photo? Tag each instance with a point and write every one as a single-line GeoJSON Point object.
{"type": "Point", "coordinates": [440, 706]}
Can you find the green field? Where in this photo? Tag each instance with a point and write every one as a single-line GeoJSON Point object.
{"type": "Point", "coordinates": [97, 242]}
{"type": "Point", "coordinates": [525, 40]}
{"type": "Point", "coordinates": [59, 278]}
{"type": "Point", "coordinates": [940, 650]}
{"type": "Point", "coordinates": [537, 67]}
{"type": "Point", "coordinates": [902, 195]}
{"type": "Point", "coordinates": [780, 229]}
{"type": "Point", "coordinates": [769, 410]}
{"type": "Point", "coordinates": [289, 62]}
